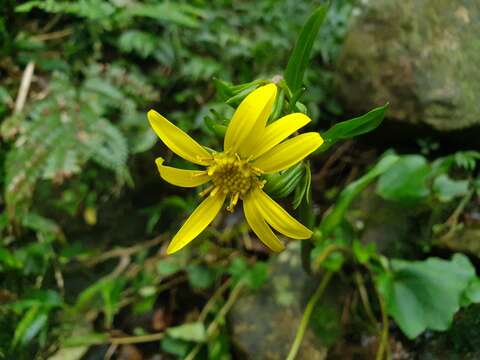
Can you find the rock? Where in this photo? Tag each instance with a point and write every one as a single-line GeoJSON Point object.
{"type": "Point", "coordinates": [396, 230]}
{"type": "Point", "coordinates": [461, 341]}
{"type": "Point", "coordinates": [264, 323]}
{"type": "Point", "coordinates": [421, 56]}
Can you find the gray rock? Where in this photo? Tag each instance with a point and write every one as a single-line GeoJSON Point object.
{"type": "Point", "coordinates": [264, 323]}
{"type": "Point", "coordinates": [460, 342]}
{"type": "Point", "coordinates": [422, 56]}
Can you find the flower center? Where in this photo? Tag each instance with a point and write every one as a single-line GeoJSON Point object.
{"type": "Point", "coordinates": [233, 176]}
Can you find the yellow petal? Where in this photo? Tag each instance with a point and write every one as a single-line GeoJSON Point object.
{"type": "Point", "coordinates": [278, 218]}
{"type": "Point", "coordinates": [180, 177]}
{"type": "Point", "coordinates": [279, 131]}
{"type": "Point", "coordinates": [177, 140]}
{"type": "Point", "coordinates": [197, 222]}
{"type": "Point", "coordinates": [288, 153]}
{"type": "Point", "coordinates": [259, 226]}
{"type": "Point", "coordinates": [249, 120]}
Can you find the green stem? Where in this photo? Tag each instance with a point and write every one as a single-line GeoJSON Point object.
{"type": "Point", "coordinates": [364, 297]}
{"type": "Point", "coordinates": [306, 315]}
{"type": "Point", "coordinates": [330, 249]}
{"type": "Point", "coordinates": [136, 339]}
{"type": "Point", "coordinates": [384, 335]}
{"type": "Point", "coordinates": [212, 328]}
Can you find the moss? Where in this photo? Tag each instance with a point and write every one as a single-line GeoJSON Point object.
{"type": "Point", "coordinates": [420, 56]}
{"type": "Point", "coordinates": [464, 336]}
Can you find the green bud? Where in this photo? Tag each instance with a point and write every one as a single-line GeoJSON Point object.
{"type": "Point", "coordinates": [283, 184]}
{"type": "Point", "coordinates": [218, 129]}
{"type": "Point", "coordinates": [237, 99]}
{"type": "Point", "coordinates": [301, 107]}
{"type": "Point", "coordinates": [224, 88]}
{"type": "Point", "coordinates": [278, 106]}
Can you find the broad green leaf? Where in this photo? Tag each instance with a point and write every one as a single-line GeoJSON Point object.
{"type": "Point", "coordinates": [354, 127]}
{"type": "Point", "coordinates": [426, 294]}
{"type": "Point", "coordinates": [257, 275]}
{"type": "Point", "coordinates": [190, 332]}
{"type": "Point", "coordinates": [406, 180]}
{"type": "Point", "coordinates": [335, 216]}
{"type": "Point", "coordinates": [254, 276]}
{"type": "Point", "coordinates": [200, 276]}
{"type": "Point", "coordinates": [238, 267]}
{"type": "Point", "coordinates": [168, 266]}
{"type": "Point", "coordinates": [446, 189]}
{"type": "Point", "coordinates": [298, 62]}
{"type": "Point", "coordinates": [176, 347]}
{"type": "Point", "coordinates": [472, 293]}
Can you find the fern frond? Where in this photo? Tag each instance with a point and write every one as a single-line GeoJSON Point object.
{"type": "Point", "coordinates": [62, 133]}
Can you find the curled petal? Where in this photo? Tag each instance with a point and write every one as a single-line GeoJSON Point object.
{"type": "Point", "coordinates": [279, 131]}
{"type": "Point", "coordinates": [180, 177]}
{"type": "Point", "coordinates": [278, 218]}
{"type": "Point", "coordinates": [201, 217]}
{"type": "Point", "coordinates": [249, 120]}
{"type": "Point", "coordinates": [177, 140]}
{"type": "Point", "coordinates": [259, 226]}
{"type": "Point", "coordinates": [288, 153]}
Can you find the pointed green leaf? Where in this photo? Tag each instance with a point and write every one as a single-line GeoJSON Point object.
{"type": "Point", "coordinates": [191, 332]}
{"type": "Point", "coordinates": [298, 62]}
{"type": "Point", "coordinates": [354, 127]}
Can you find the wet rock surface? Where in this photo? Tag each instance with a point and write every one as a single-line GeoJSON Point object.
{"type": "Point", "coordinates": [460, 342]}
{"type": "Point", "coordinates": [264, 323]}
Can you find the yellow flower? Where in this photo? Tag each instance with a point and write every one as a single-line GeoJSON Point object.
{"type": "Point", "coordinates": [251, 148]}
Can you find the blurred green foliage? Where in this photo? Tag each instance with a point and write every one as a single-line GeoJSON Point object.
{"type": "Point", "coordinates": [74, 157]}
{"type": "Point", "coordinates": [81, 199]}
{"type": "Point", "coordinates": [422, 294]}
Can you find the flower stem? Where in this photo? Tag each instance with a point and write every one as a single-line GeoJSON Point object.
{"type": "Point", "coordinates": [137, 339]}
{"type": "Point", "coordinates": [384, 346]}
{"type": "Point", "coordinates": [212, 328]}
{"type": "Point", "coordinates": [306, 315]}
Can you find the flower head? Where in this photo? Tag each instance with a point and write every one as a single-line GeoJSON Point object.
{"type": "Point", "coordinates": [251, 148]}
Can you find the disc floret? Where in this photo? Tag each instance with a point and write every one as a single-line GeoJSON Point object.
{"type": "Point", "coordinates": [233, 176]}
